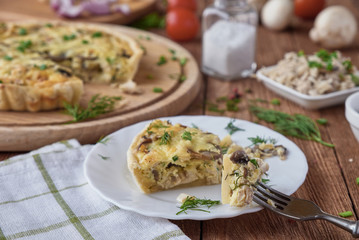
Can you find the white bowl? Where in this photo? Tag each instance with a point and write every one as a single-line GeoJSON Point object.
{"type": "Point", "coordinates": [309, 102]}
{"type": "Point", "coordinates": [352, 113]}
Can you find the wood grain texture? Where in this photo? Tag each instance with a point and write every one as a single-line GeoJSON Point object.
{"type": "Point", "coordinates": [21, 131]}
{"type": "Point", "coordinates": [331, 177]}
{"type": "Point", "coordinates": [29, 9]}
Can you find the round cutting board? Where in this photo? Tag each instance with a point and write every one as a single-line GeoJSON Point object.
{"type": "Point", "coordinates": [22, 131]}
{"type": "Point", "coordinates": [20, 10]}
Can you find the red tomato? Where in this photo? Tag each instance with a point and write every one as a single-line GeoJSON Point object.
{"type": "Point", "coordinates": [182, 24]}
{"type": "Point", "coordinates": [308, 9]}
{"type": "Point", "coordinates": [188, 4]}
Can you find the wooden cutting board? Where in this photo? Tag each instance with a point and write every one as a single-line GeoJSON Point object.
{"type": "Point", "coordinates": [25, 9]}
{"type": "Point", "coordinates": [22, 131]}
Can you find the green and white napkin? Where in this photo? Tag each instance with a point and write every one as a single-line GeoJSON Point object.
{"type": "Point", "coordinates": [44, 195]}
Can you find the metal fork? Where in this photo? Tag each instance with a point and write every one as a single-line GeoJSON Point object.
{"type": "Point", "coordinates": [298, 209]}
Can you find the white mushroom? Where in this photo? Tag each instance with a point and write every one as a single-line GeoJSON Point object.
{"type": "Point", "coordinates": [334, 27]}
{"type": "Point", "coordinates": [277, 14]}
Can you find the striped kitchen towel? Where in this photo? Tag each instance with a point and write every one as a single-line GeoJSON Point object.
{"type": "Point", "coordinates": [44, 195]}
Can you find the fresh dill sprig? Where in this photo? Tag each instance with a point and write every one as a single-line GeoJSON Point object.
{"type": "Point", "coordinates": [231, 128]}
{"type": "Point", "coordinates": [192, 203]}
{"type": "Point", "coordinates": [258, 140]}
{"type": "Point", "coordinates": [96, 106]}
{"type": "Point", "coordinates": [187, 136]}
{"type": "Point", "coordinates": [165, 139]}
{"type": "Point", "coordinates": [297, 125]}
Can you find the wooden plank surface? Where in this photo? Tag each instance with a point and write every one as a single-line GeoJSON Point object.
{"type": "Point", "coordinates": [21, 131]}
{"type": "Point", "coordinates": [331, 177]}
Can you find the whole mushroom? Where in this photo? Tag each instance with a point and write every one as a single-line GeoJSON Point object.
{"type": "Point", "coordinates": [277, 14]}
{"type": "Point", "coordinates": [334, 27]}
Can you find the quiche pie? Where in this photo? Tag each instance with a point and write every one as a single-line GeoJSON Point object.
{"type": "Point", "coordinates": [241, 170]}
{"type": "Point", "coordinates": [164, 156]}
{"type": "Point", "coordinates": [45, 59]}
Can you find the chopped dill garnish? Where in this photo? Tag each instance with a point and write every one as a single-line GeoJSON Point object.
{"type": "Point", "coordinates": [322, 121]}
{"type": "Point", "coordinates": [194, 126]}
{"type": "Point", "coordinates": [162, 60]}
{"type": "Point", "coordinates": [258, 140]}
{"type": "Point", "coordinates": [264, 180]}
{"type": "Point", "coordinates": [165, 138]}
{"type": "Point", "coordinates": [275, 101]}
{"type": "Point", "coordinates": [157, 90]}
{"type": "Point", "coordinates": [254, 162]}
{"type": "Point", "coordinates": [158, 125]}
{"type": "Point", "coordinates": [96, 35]}
{"type": "Point", "coordinates": [296, 125]}
{"type": "Point", "coordinates": [103, 140]}
{"type": "Point", "coordinates": [314, 64]}
{"type": "Point", "coordinates": [192, 203]}
{"type": "Point", "coordinates": [300, 53]}
{"type": "Point", "coordinates": [96, 106]}
{"type": "Point", "coordinates": [187, 136]}
{"type": "Point", "coordinates": [183, 61]}
{"type": "Point", "coordinates": [224, 149]}
{"type": "Point", "coordinates": [175, 158]}
{"type": "Point", "coordinates": [103, 157]}
{"type": "Point", "coordinates": [231, 128]}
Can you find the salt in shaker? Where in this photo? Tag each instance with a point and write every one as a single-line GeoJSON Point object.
{"type": "Point", "coordinates": [229, 39]}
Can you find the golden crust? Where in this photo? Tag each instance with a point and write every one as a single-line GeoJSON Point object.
{"type": "Point", "coordinates": [181, 161]}
{"type": "Point", "coordinates": [24, 86]}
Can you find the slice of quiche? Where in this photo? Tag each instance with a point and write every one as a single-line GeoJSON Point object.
{"type": "Point", "coordinates": [241, 170]}
{"type": "Point", "coordinates": [91, 53]}
{"type": "Point", "coordinates": [33, 85]}
{"type": "Point", "coordinates": [164, 156]}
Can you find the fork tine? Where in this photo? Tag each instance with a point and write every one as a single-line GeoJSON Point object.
{"type": "Point", "coordinates": [275, 192]}
{"type": "Point", "coordinates": [263, 203]}
{"type": "Point", "coordinates": [273, 197]}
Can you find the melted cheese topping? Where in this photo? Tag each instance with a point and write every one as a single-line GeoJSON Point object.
{"type": "Point", "coordinates": [239, 176]}
{"type": "Point", "coordinates": [95, 56]}
{"type": "Point", "coordinates": [165, 155]}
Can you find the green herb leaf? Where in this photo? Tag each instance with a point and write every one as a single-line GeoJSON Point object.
{"type": "Point", "coordinates": [187, 136]}
{"type": "Point", "coordinates": [275, 101]}
{"type": "Point", "coordinates": [165, 138]}
{"type": "Point", "coordinates": [254, 162]}
{"type": "Point", "coordinates": [103, 140]}
{"type": "Point", "coordinates": [85, 42]}
{"type": "Point", "coordinates": [192, 203]}
{"type": "Point", "coordinates": [152, 20]}
{"type": "Point", "coordinates": [232, 104]}
{"type": "Point", "coordinates": [96, 106]}
{"type": "Point", "coordinates": [1, 82]}
{"type": "Point", "coordinates": [110, 60]}
{"type": "Point", "coordinates": [175, 158]}
{"type": "Point", "coordinates": [182, 78]}
{"type": "Point", "coordinates": [96, 35]}
{"type": "Point", "coordinates": [265, 180]}
{"type": "Point", "coordinates": [194, 126]}
{"type": "Point", "coordinates": [231, 128]}
{"type": "Point", "coordinates": [157, 90]}
{"type": "Point", "coordinates": [300, 53]}
{"type": "Point", "coordinates": [314, 64]}
{"type": "Point", "coordinates": [357, 180]}
{"type": "Point", "coordinates": [296, 125]}
{"type": "Point", "coordinates": [183, 61]}
{"type": "Point", "coordinates": [355, 79]}
{"type": "Point", "coordinates": [103, 157]}
{"type": "Point", "coordinates": [49, 25]}
{"type": "Point", "coordinates": [258, 140]}
{"type": "Point", "coordinates": [22, 31]}
{"type": "Point", "coordinates": [348, 66]}
{"type": "Point", "coordinates": [322, 121]}
{"type": "Point", "coordinates": [346, 214]}
{"type": "Point", "coordinates": [69, 37]}
{"type": "Point", "coordinates": [162, 60]}
{"type": "Point", "coordinates": [43, 67]}
{"type": "Point", "coordinates": [8, 58]}
{"type": "Point", "coordinates": [24, 45]}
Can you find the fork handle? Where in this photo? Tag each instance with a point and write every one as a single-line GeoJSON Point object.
{"type": "Point", "coordinates": [348, 225]}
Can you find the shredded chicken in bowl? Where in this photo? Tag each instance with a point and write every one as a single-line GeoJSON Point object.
{"type": "Point", "coordinates": [317, 74]}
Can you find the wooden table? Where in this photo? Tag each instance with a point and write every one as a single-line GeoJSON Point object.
{"type": "Point", "coordinates": [331, 178]}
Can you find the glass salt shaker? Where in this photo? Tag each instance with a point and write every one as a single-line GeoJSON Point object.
{"type": "Point", "coordinates": [229, 39]}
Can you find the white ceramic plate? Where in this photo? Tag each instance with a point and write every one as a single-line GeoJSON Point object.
{"type": "Point", "coordinates": [309, 102]}
{"type": "Point", "coordinates": [106, 170]}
